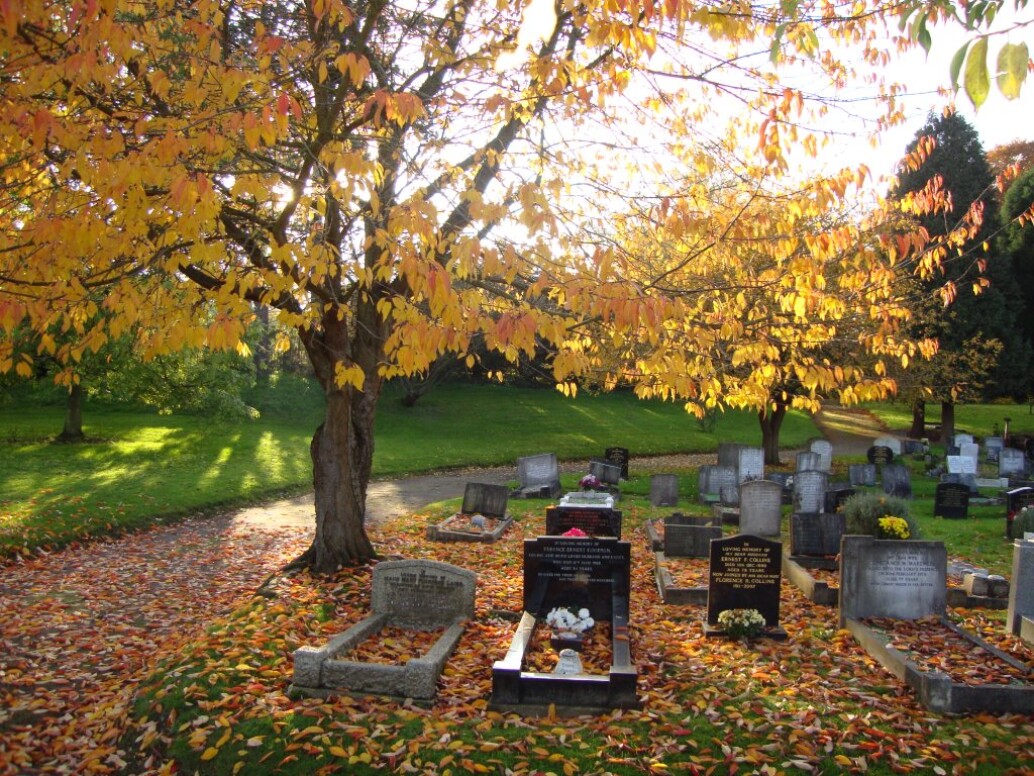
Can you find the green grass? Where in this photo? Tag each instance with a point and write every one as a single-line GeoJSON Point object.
{"type": "Point", "coordinates": [140, 468]}
{"type": "Point", "coordinates": [977, 419]}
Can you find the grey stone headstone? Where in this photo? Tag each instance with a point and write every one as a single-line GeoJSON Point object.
{"type": "Point", "coordinates": [1021, 588]}
{"type": "Point", "coordinates": [422, 594]}
{"type": "Point", "coordinates": [713, 478]}
{"type": "Point", "coordinates": [750, 464]}
{"type": "Point", "coordinates": [745, 574]}
{"type": "Point", "coordinates": [486, 499]}
{"type": "Point", "coordinates": [809, 491]}
{"type": "Point", "coordinates": [729, 496]}
{"type": "Point", "coordinates": [664, 490]}
{"type": "Point", "coordinates": [993, 446]}
{"type": "Point", "coordinates": [954, 463]}
{"type": "Point", "coordinates": [896, 480]}
{"type": "Point", "coordinates": [862, 473]}
{"type": "Point", "coordinates": [689, 537]}
{"type": "Point", "coordinates": [729, 454]}
{"type": "Point", "coordinates": [809, 462]}
{"type": "Point", "coordinates": [605, 471]}
{"type": "Point", "coordinates": [1012, 462]}
{"type": "Point", "coordinates": [962, 439]}
{"type": "Point", "coordinates": [888, 441]}
{"type": "Point", "coordinates": [761, 507]}
{"type": "Point", "coordinates": [970, 450]}
{"type": "Point", "coordinates": [825, 452]}
{"type": "Point", "coordinates": [889, 578]}
{"type": "Point", "coordinates": [816, 534]}
{"type": "Point", "coordinates": [539, 474]}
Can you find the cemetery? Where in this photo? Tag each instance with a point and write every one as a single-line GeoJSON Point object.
{"type": "Point", "coordinates": [482, 516]}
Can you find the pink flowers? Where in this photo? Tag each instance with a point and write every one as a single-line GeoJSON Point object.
{"type": "Point", "coordinates": [574, 532]}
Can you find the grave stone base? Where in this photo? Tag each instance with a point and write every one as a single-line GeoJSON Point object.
{"type": "Point", "coordinates": [672, 594]}
{"type": "Point", "coordinates": [726, 515]}
{"type": "Point", "coordinates": [535, 694]}
{"type": "Point", "coordinates": [814, 590]}
{"type": "Point", "coordinates": [935, 690]}
{"type": "Point", "coordinates": [443, 532]}
{"type": "Point", "coordinates": [320, 672]}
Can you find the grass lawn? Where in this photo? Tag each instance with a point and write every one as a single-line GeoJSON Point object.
{"type": "Point", "coordinates": [140, 467]}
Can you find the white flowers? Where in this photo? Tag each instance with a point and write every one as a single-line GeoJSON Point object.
{"type": "Point", "coordinates": [742, 623]}
{"type": "Point", "coordinates": [564, 619]}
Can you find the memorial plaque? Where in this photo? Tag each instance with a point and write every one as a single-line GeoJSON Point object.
{"type": "Point", "coordinates": [836, 495]}
{"type": "Point", "coordinates": [825, 452]}
{"type": "Point", "coordinates": [761, 508]}
{"type": "Point", "coordinates": [485, 499]}
{"type": "Point", "coordinates": [575, 572]}
{"type": "Point", "coordinates": [816, 534]}
{"type": "Point", "coordinates": [729, 454]}
{"type": "Point", "coordinates": [746, 573]}
{"type": "Point", "coordinates": [750, 464]}
{"type": "Point", "coordinates": [880, 455]}
{"type": "Point", "coordinates": [422, 594]}
{"type": "Point", "coordinates": [689, 537]}
{"type": "Point", "coordinates": [809, 462]}
{"type": "Point", "coordinates": [951, 500]}
{"type": "Point", "coordinates": [664, 490]}
{"type": "Point", "coordinates": [619, 456]}
{"type": "Point", "coordinates": [712, 479]}
{"type": "Point", "coordinates": [809, 491]}
{"type": "Point", "coordinates": [606, 472]}
{"type": "Point", "coordinates": [888, 441]}
{"type": "Point", "coordinates": [862, 474]}
{"type": "Point", "coordinates": [889, 578]}
{"type": "Point", "coordinates": [595, 521]}
{"type": "Point", "coordinates": [896, 480]}
{"type": "Point", "coordinates": [1012, 462]}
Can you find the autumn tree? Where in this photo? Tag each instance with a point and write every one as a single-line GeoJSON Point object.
{"type": "Point", "coordinates": [393, 180]}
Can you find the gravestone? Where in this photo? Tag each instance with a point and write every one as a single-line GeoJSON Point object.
{"type": "Point", "coordinates": [951, 500]}
{"type": "Point", "coordinates": [576, 572]}
{"type": "Point", "coordinates": [422, 595]}
{"type": "Point", "coordinates": [712, 479]}
{"type": "Point", "coordinates": [485, 499]}
{"type": "Point", "coordinates": [836, 495]}
{"type": "Point", "coordinates": [993, 446]}
{"type": "Point", "coordinates": [1012, 463]}
{"type": "Point", "coordinates": [970, 450]}
{"type": "Point", "coordinates": [888, 441]}
{"type": "Point", "coordinates": [959, 464]}
{"type": "Point", "coordinates": [480, 501]}
{"type": "Point", "coordinates": [605, 471]}
{"type": "Point", "coordinates": [809, 491]}
{"type": "Point", "coordinates": [1015, 500]}
{"type": "Point", "coordinates": [862, 474]}
{"type": "Point", "coordinates": [761, 507]}
{"type": "Point", "coordinates": [785, 482]}
{"type": "Point", "coordinates": [729, 496]}
{"type": "Point", "coordinates": [750, 464]}
{"type": "Point", "coordinates": [664, 490]}
{"type": "Point", "coordinates": [1021, 590]}
{"type": "Point", "coordinates": [689, 537]}
{"type": "Point", "coordinates": [962, 439]}
{"type": "Point", "coordinates": [539, 477]}
{"type": "Point", "coordinates": [914, 447]}
{"type": "Point", "coordinates": [825, 452]}
{"type": "Point", "coordinates": [880, 455]}
{"type": "Point", "coordinates": [896, 480]}
{"type": "Point", "coordinates": [729, 454]}
{"type": "Point", "coordinates": [816, 534]}
{"type": "Point", "coordinates": [888, 578]}
{"type": "Point", "coordinates": [746, 573]}
{"type": "Point", "coordinates": [808, 461]}
{"type": "Point", "coordinates": [618, 456]}
{"type": "Point", "coordinates": [591, 512]}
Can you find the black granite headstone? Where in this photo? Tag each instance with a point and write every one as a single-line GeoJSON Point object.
{"type": "Point", "coordinates": [951, 500]}
{"type": "Point", "coordinates": [880, 454]}
{"type": "Point", "coordinates": [816, 534]}
{"type": "Point", "coordinates": [745, 574]}
{"type": "Point", "coordinates": [576, 572]}
{"type": "Point", "coordinates": [618, 456]}
{"type": "Point", "coordinates": [594, 521]}
{"type": "Point", "coordinates": [836, 495]}
{"type": "Point", "coordinates": [605, 471]}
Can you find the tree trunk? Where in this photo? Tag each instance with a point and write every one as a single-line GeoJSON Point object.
{"type": "Point", "coordinates": [771, 418]}
{"type": "Point", "coordinates": [947, 422]}
{"type": "Point", "coordinates": [73, 430]}
{"type": "Point", "coordinates": [918, 430]}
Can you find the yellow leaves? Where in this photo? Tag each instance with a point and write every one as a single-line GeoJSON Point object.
{"type": "Point", "coordinates": [354, 66]}
{"type": "Point", "coordinates": [210, 754]}
{"type": "Point", "coordinates": [349, 375]}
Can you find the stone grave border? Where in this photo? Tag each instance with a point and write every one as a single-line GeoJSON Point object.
{"type": "Point", "coordinates": [935, 690]}
{"type": "Point", "coordinates": [670, 594]}
{"type": "Point", "coordinates": [816, 591]}
{"type": "Point", "coordinates": [439, 533]}
{"type": "Point", "coordinates": [967, 595]}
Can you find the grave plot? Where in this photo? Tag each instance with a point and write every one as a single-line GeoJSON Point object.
{"type": "Point", "coordinates": [893, 600]}
{"type": "Point", "coordinates": [970, 587]}
{"type": "Point", "coordinates": [745, 574]}
{"type": "Point", "coordinates": [814, 547]}
{"type": "Point", "coordinates": [590, 579]}
{"type": "Point", "coordinates": [682, 547]}
{"type": "Point", "coordinates": [482, 517]}
{"type": "Point", "coordinates": [591, 512]}
{"type": "Point", "coordinates": [423, 604]}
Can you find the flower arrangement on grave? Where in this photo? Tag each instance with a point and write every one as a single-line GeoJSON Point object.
{"type": "Point", "coordinates": [590, 482]}
{"type": "Point", "coordinates": [742, 623]}
{"type": "Point", "coordinates": [566, 622]}
{"type": "Point", "coordinates": [864, 511]}
{"type": "Point", "coordinates": [892, 527]}
{"type": "Point", "coordinates": [574, 531]}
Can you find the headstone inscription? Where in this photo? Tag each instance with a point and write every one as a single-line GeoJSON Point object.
{"type": "Point", "coordinates": [745, 574]}
{"type": "Point", "coordinates": [689, 537]}
{"type": "Point", "coordinates": [951, 500]}
{"type": "Point", "coordinates": [750, 464]}
{"type": "Point", "coordinates": [1021, 590]}
{"type": "Point", "coordinates": [619, 456]}
{"type": "Point", "coordinates": [809, 491]}
{"type": "Point", "coordinates": [664, 490]}
{"type": "Point", "coordinates": [824, 449]}
{"type": "Point", "coordinates": [1012, 463]}
{"type": "Point", "coordinates": [880, 455]}
{"type": "Point", "coordinates": [896, 480]}
{"type": "Point", "coordinates": [576, 572]}
{"type": "Point", "coordinates": [539, 476]}
{"type": "Point", "coordinates": [711, 479]}
{"type": "Point", "coordinates": [889, 578]}
{"type": "Point", "coordinates": [959, 464]}
{"type": "Point", "coordinates": [422, 594]}
{"type": "Point", "coordinates": [808, 461]}
{"type": "Point", "coordinates": [761, 507]}
{"type": "Point", "coordinates": [862, 474]}
{"type": "Point", "coordinates": [605, 471]}
{"type": "Point", "coordinates": [816, 535]}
